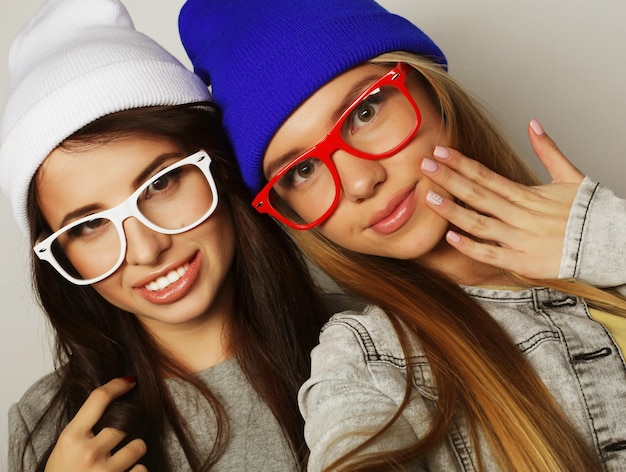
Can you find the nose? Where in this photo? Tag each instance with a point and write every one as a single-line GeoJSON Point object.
{"type": "Point", "coordinates": [144, 245]}
{"type": "Point", "coordinates": [359, 177]}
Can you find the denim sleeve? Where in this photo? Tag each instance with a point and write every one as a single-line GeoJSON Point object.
{"type": "Point", "coordinates": [594, 249]}
{"type": "Point", "coordinates": [342, 405]}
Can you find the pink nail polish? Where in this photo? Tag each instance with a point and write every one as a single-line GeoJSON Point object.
{"type": "Point", "coordinates": [441, 152]}
{"type": "Point", "coordinates": [429, 165]}
{"type": "Point", "coordinates": [536, 127]}
{"type": "Point", "coordinates": [453, 237]}
{"type": "Point", "coordinates": [434, 198]}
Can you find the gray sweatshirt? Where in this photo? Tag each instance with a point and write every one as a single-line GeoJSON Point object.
{"type": "Point", "coordinates": [256, 440]}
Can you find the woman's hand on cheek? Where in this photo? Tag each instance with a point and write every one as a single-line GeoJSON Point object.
{"type": "Point", "coordinates": [79, 449]}
{"type": "Point", "coordinates": [527, 224]}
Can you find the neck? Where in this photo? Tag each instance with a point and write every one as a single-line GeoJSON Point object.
{"type": "Point", "coordinates": [203, 342]}
{"type": "Point", "coordinates": [198, 346]}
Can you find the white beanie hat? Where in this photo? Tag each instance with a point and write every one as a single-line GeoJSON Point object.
{"type": "Point", "coordinates": [74, 62]}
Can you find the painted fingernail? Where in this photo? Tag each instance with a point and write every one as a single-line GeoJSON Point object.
{"type": "Point", "coordinates": [429, 165]}
{"type": "Point", "coordinates": [441, 152]}
{"type": "Point", "coordinates": [536, 127]}
{"type": "Point", "coordinates": [453, 237]}
{"type": "Point", "coordinates": [434, 198]}
{"type": "Point", "coordinates": [131, 379]}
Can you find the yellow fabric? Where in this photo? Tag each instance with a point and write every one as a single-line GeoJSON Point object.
{"type": "Point", "coordinates": [616, 325]}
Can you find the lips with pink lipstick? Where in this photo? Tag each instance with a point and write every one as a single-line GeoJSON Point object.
{"type": "Point", "coordinates": [395, 214]}
{"type": "Point", "coordinates": [172, 285]}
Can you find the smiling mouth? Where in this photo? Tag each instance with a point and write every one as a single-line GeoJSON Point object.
{"type": "Point", "coordinates": [168, 279]}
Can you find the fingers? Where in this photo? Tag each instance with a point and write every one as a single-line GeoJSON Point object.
{"type": "Point", "coordinates": [558, 166]}
{"type": "Point", "coordinates": [527, 224]}
{"type": "Point", "coordinates": [97, 402]}
{"type": "Point", "coordinates": [486, 253]}
{"type": "Point", "coordinates": [138, 468]}
{"type": "Point", "coordinates": [107, 439]}
{"type": "Point", "coordinates": [473, 171]}
{"type": "Point", "coordinates": [478, 225]}
{"type": "Point", "coordinates": [127, 456]}
{"type": "Point", "coordinates": [477, 186]}
{"type": "Point", "coordinates": [509, 259]}
{"type": "Point", "coordinates": [77, 448]}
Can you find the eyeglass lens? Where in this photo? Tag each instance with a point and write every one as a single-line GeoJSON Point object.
{"type": "Point", "coordinates": [376, 125]}
{"type": "Point", "coordinates": [177, 199]}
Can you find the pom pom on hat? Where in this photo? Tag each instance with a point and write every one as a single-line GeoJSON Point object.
{"type": "Point", "coordinates": [263, 58]}
{"type": "Point", "coordinates": [74, 62]}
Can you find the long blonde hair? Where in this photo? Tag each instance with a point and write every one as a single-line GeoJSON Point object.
{"type": "Point", "coordinates": [472, 358]}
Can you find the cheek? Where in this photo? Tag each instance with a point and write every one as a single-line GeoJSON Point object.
{"type": "Point", "coordinates": [338, 228]}
{"type": "Point", "coordinates": [218, 234]}
{"type": "Point", "coordinates": [111, 290]}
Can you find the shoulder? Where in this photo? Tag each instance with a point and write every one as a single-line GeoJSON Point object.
{"type": "Point", "coordinates": [368, 336]}
{"type": "Point", "coordinates": [365, 344]}
{"type": "Point", "coordinates": [23, 418]}
{"type": "Point", "coordinates": [371, 329]}
{"type": "Point", "coordinates": [371, 319]}
{"type": "Point", "coordinates": [37, 398]}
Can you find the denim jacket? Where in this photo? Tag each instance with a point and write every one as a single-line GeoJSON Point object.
{"type": "Point", "coordinates": [358, 369]}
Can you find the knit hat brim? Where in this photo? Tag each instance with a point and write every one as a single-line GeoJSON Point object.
{"type": "Point", "coordinates": [101, 66]}
{"type": "Point", "coordinates": [263, 58]}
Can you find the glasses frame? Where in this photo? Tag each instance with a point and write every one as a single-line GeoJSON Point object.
{"type": "Point", "coordinates": [333, 141]}
{"type": "Point", "coordinates": [129, 208]}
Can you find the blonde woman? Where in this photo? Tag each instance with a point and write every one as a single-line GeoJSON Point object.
{"type": "Point", "coordinates": [348, 130]}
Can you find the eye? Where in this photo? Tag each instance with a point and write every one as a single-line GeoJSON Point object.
{"type": "Point", "coordinates": [365, 111]}
{"type": "Point", "coordinates": [88, 228]}
{"type": "Point", "coordinates": [160, 183]}
{"type": "Point", "coordinates": [300, 172]}
{"type": "Point", "coordinates": [163, 183]}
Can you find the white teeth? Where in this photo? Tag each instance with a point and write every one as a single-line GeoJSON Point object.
{"type": "Point", "coordinates": [168, 279]}
{"type": "Point", "coordinates": [163, 282]}
{"type": "Point", "coordinates": [152, 286]}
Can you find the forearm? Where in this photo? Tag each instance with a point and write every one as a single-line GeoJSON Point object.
{"type": "Point", "coordinates": [594, 249]}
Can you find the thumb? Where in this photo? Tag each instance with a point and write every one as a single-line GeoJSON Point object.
{"type": "Point", "coordinates": [557, 165]}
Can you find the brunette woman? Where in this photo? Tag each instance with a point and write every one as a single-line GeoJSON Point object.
{"type": "Point", "coordinates": [148, 261]}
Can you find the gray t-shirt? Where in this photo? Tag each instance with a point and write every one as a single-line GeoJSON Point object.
{"type": "Point", "coordinates": [256, 441]}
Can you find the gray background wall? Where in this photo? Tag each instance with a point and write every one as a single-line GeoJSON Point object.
{"type": "Point", "coordinates": [561, 61]}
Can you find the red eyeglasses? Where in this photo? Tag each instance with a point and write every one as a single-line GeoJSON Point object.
{"type": "Point", "coordinates": [379, 123]}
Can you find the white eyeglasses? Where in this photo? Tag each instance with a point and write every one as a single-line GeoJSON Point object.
{"type": "Point", "coordinates": [175, 200]}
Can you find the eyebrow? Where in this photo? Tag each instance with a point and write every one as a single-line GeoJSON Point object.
{"type": "Point", "coordinates": [154, 167]}
{"type": "Point", "coordinates": [355, 91]}
{"type": "Point", "coordinates": [151, 169]}
{"type": "Point", "coordinates": [79, 213]}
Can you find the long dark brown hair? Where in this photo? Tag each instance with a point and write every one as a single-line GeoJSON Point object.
{"type": "Point", "coordinates": [471, 356]}
{"type": "Point", "coordinates": [275, 321]}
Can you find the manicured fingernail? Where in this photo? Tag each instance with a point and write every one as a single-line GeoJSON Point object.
{"type": "Point", "coordinates": [429, 165]}
{"type": "Point", "coordinates": [453, 237]}
{"type": "Point", "coordinates": [441, 152]}
{"type": "Point", "coordinates": [131, 379]}
{"type": "Point", "coordinates": [434, 198]}
{"type": "Point", "coordinates": [536, 127]}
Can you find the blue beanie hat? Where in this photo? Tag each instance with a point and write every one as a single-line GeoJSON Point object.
{"type": "Point", "coordinates": [263, 58]}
